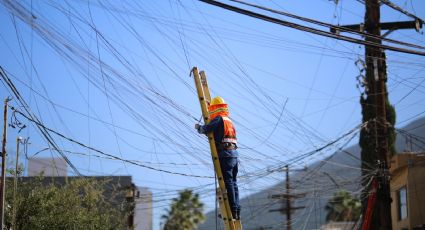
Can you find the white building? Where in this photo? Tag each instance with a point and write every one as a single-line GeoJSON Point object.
{"type": "Point", "coordinates": [49, 166]}
{"type": "Point", "coordinates": [143, 216]}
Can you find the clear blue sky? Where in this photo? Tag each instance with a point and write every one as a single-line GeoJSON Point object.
{"type": "Point", "coordinates": [126, 90]}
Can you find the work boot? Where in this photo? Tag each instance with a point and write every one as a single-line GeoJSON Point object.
{"type": "Point", "coordinates": [238, 214]}
{"type": "Point", "coordinates": [235, 215]}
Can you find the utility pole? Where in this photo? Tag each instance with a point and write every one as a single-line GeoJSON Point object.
{"type": "Point", "coordinates": [3, 163]}
{"type": "Point", "coordinates": [288, 209]}
{"type": "Point", "coordinates": [15, 183]}
{"type": "Point", "coordinates": [376, 70]}
{"type": "Point", "coordinates": [376, 82]}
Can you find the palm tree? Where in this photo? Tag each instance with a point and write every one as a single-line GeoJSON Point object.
{"type": "Point", "coordinates": [185, 212]}
{"type": "Point", "coordinates": [343, 207]}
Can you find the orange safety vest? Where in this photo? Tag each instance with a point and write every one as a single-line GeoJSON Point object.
{"type": "Point", "coordinates": [229, 130]}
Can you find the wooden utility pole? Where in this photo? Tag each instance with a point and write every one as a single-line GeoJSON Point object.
{"type": "Point", "coordinates": [288, 209]}
{"type": "Point", "coordinates": [3, 163]}
{"type": "Point", "coordinates": [376, 77]}
{"type": "Point", "coordinates": [376, 73]}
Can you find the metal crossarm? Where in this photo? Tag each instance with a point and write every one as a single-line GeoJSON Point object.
{"type": "Point", "coordinates": [204, 99]}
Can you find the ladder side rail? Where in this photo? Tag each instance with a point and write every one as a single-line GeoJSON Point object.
{"type": "Point", "coordinates": [205, 87]}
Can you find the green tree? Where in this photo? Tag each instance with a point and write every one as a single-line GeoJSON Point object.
{"type": "Point", "coordinates": [343, 207]}
{"type": "Point", "coordinates": [367, 140]}
{"type": "Point", "coordinates": [79, 204]}
{"type": "Point", "coordinates": [185, 212]}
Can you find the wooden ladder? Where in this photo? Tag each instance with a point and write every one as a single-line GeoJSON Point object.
{"type": "Point", "coordinates": [205, 99]}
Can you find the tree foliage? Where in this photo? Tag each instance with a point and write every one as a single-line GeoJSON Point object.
{"type": "Point", "coordinates": [79, 204]}
{"type": "Point", "coordinates": [343, 207]}
{"type": "Point", "coordinates": [185, 212]}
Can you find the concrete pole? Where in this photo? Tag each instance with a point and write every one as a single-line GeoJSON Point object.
{"type": "Point", "coordinates": [15, 183]}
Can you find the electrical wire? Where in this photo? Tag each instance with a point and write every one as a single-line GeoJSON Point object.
{"type": "Point", "coordinates": [309, 29]}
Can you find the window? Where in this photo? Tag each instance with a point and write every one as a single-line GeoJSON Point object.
{"type": "Point", "coordinates": [402, 203]}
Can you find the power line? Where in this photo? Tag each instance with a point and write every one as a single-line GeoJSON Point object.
{"type": "Point", "coordinates": [309, 29]}
{"type": "Point", "coordinates": [332, 27]}
{"type": "Point", "coordinates": [395, 7]}
{"type": "Point", "coordinates": [99, 151]}
{"type": "Point", "coordinates": [43, 131]}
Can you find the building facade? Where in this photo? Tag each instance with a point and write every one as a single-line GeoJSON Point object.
{"type": "Point", "coordinates": [47, 166]}
{"type": "Point", "coordinates": [143, 213]}
{"type": "Point", "coordinates": [407, 191]}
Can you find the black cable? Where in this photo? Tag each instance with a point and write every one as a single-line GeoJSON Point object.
{"type": "Point", "coordinates": [42, 129]}
{"type": "Point", "coordinates": [395, 7]}
{"type": "Point", "coordinates": [309, 29]}
{"type": "Point", "coordinates": [341, 28]}
{"type": "Point", "coordinates": [101, 152]}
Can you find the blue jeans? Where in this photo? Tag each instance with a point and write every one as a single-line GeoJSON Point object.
{"type": "Point", "coordinates": [229, 169]}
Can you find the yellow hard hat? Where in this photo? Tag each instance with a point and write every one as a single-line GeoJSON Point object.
{"type": "Point", "coordinates": [217, 101]}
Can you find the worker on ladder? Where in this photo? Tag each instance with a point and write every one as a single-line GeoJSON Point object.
{"type": "Point", "coordinates": [226, 143]}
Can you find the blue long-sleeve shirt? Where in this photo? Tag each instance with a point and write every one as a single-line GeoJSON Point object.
{"type": "Point", "coordinates": [216, 126]}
